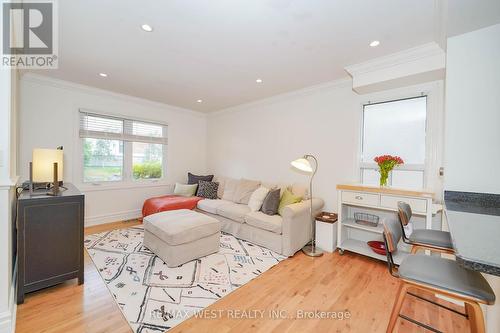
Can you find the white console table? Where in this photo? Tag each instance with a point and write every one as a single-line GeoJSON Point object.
{"type": "Point", "coordinates": [380, 201]}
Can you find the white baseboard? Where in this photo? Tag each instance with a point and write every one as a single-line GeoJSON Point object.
{"type": "Point", "coordinates": [114, 217]}
{"type": "Point", "coordinates": [8, 318]}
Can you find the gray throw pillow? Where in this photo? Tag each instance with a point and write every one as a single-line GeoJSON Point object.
{"type": "Point", "coordinates": [271, 202]}
{"type": "Point", "coordinates": [194, 179]}
{"type": "Point", "coordinates": [207, 190]}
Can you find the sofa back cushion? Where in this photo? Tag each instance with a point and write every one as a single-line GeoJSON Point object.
{"type": "Point", "coordinates": [230, 186]}
{"type": "Point", "coordinates": [271, 202]}
{"type": "Point", "coordinates": [300, 190]}
{"type": "Point", "coordinates": [244, 190]}
{"type": "Point", "coordinates": [222, 183]}
{"type": "Point", "coordinates": [272, 186]}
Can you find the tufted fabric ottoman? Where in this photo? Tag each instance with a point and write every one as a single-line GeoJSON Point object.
{"type": "Point", "coordinates": [182, 235]}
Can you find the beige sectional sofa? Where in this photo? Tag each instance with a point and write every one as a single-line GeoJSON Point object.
{"type": "Point", "coordinates": [286, 233]}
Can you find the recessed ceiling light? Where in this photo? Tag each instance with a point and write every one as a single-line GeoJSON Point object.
{"type": "Point", "coordinates": [147, 27]}
{"type": "Point", "coordinates": [258, 80]}
{"type": "Point", "coordinates": [374, 43]}
{"type": "Point", "coordinates": [199, 101]}
{"type": "Point", "coordinates": [103, 75]}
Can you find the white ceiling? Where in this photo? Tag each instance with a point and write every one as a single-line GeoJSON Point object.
{"type": "Point", "coordinates": [215, 50]}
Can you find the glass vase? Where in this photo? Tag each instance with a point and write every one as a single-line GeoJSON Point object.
{"type": "Point", "coordinates": [384, 177]}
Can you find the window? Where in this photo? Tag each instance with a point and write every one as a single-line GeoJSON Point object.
{"type": "Point", "coordinates": [118, 149]}
{"type": "Point", "coordinates": [395, 128]}
{"type": "Point", "coordinates": [102, 160]}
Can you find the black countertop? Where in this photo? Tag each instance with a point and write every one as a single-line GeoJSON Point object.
{"type": "Point", "coordinates": [474, 222]}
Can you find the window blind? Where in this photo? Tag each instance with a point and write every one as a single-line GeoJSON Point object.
{"type": "Point", "coordinates": [97, 126]}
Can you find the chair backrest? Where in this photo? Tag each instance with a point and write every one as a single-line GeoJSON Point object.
{"type": "Point", "coordinates": [392, 235]}
{"type": "Point", "coordinates": [404, 212]}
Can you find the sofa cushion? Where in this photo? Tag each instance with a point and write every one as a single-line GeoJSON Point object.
{"type": "Point", "coordinates": [194, 179]}
{"type": "Point", "coordinates": [300, 190]}
{"type": "Point", "coordinates": [271, 202]}
{"type": "Point", "coordinates": [272, 186]}
{"type": "Point", "coordinates": [168, 202]}
{"type": "Point", "coordinates": [244, 190]}
{"type": "Point", "coordinates": [181, 226]}
{"type": "Point", "coordinates": [263, 221]}
{"type": "Point", "coordinates": [185, 190]}
{"type": "Point", "coordinates": [234, 211]}
{"type": "Point", "coordinates": [230, 186]}
{"type": "Point", "coordinates": [283, 187]}
{"type": "Point", "coordinates": [207, 190]}
{"type": "Point", "coordinates": [257, 198]}
{"type": "Point", "coordinates": [211, 205]}
{"type": "Point", "coordinates": [288, 198]}
{"type": "Point", "coordinates": [222, 183]}
{"type": "Point", "coordinates": [269, 185]}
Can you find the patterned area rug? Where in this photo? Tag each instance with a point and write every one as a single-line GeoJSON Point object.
{"type": "Point", "coordinates": [154, 297]}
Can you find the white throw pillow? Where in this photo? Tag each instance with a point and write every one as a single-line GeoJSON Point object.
{"type": "Point", "coordinates": [185, 190]}
{"type": "Point", "coordinates": [257, 198]}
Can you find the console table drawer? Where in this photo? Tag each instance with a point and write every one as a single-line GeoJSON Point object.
{"type": "Point", "coordinates": [361, 198]}
{"type": "Point", "coordinates": [417, 205]}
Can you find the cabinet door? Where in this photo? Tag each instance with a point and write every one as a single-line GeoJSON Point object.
{"type": "Point", "coordinates": [52, 240]}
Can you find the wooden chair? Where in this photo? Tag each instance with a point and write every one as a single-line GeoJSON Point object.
{"type": "Point", "coordinates": [438, 276]}
{"type": "Point", "coordinates": [423, 239]}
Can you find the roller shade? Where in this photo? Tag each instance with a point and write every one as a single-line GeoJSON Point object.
{"type": "Point", "coordinates": [97, 126]}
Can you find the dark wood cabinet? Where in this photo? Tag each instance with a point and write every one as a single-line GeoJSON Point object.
{"type": "Point", "coordinates": [49, 239]}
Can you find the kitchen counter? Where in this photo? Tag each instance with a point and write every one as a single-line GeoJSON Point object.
{"type": "Point", "coordinates": [474, 223]}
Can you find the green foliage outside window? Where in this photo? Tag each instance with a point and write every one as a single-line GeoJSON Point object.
{"type": "Point", "coordinates": [147, 170]}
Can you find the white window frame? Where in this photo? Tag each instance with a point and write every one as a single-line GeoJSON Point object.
{"type": "Point", "coordinates": [404, 167]}
{"type": "Point", "coordinates": [434, 138]}
{"type": "Point", "coordinates": [127, 180]}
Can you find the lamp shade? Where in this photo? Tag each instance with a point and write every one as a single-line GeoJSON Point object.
{"type": "Point", "coordinates": [302, 164]}
{"type": "Point", "coordinates": [43, 165]}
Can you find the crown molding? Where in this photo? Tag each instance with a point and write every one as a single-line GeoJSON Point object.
{"type": "Point", "coordinates": [416, 65]}
{"type": "Point", "coordinates": [336, 84]}
{"type": "Point", "coordinates": [67, 85]}
{"type": "Point", "coordinates": [413, 54]}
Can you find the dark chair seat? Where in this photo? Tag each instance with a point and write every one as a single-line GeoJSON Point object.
{"type": "Point", "coordinates": [431, 237]}
{"type": "Point", "coordinates": [447, 275]}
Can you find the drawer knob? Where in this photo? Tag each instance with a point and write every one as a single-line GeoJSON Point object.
{"type": "Point", "coordinates": [358, 197]}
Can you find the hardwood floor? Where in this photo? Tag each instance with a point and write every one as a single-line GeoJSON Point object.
{"type": "Point", "coordinates": [352, 283]}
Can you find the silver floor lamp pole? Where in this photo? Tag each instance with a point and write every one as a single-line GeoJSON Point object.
{"type": "Point", "coordinates": [304, 165]}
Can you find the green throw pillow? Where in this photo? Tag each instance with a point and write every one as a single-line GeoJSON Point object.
{"type": "Point", "coordinates": [185, 190]}
{"type": "Point", "coordinates": [288, 198]}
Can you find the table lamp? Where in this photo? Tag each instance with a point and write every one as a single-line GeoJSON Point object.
{"type": "Point", "coordinates": [47, 167]}
{"type": "Point", "coordinates": [303, 164]}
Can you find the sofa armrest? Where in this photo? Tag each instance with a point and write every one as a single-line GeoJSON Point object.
{"type": "Point", "coordinates": [290, 211]}
{"type": "Point", "coordinates": [296, 228]}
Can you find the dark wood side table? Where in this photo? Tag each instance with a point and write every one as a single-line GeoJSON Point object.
{"type": "Point", "coordinates": [49, 239]}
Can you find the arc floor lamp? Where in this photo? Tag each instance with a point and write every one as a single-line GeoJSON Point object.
{"type": "Point", "coordinates": [303, 164]}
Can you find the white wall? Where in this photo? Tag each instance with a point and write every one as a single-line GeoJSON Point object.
{"type": "Point", "coordinates": [8, 145]}
{"type": "Point", "coordinates": [259, 140]}
{"type": "Point", "coordinates": [49, 118]}
{"type": "Point", "coordinates": [472, 147]}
